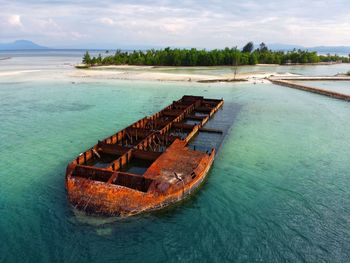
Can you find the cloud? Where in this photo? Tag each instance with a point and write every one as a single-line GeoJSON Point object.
{"type": "Point", "coordinates": [14, 20]}
{"type": "Point", "coordinates": [175, 27]}
{"type": "Point", "coordinates": [205, 23]}
{"type": "Point", "coordinates": [106, 21]}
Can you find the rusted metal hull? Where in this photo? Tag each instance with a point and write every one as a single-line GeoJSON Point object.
{"type": "Point", "coordinates": [109, 199]}
{"type": "Point", "coordinates": [173, 170]}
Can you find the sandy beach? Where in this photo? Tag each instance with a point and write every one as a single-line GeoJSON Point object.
{"type": "Point", "coordinates": [245, 74]}
{"type": "Point", "coordinates": [151, 73]}
{"type": "Point", "coordinates": [19, 72]}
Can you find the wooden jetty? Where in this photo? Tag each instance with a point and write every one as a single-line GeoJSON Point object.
{"type": "Point", "coordinates": [146, 166]}
{"type": "Point", "coordinates": [291, 84]}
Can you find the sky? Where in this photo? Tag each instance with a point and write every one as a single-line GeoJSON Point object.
{"type": "Point", "coordinates": [161, 23]}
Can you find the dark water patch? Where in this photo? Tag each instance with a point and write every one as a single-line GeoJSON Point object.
{"type": "Point", "coordinates": [11, 83]}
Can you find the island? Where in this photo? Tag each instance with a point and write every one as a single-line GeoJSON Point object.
{"type": "Point", "coordinates": [216, 57]}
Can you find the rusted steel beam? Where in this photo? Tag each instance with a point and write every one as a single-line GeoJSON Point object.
{"type": "Point", "coordinates": [206, 119]}
{"type": "Point", "coordinates": [112, 178]}
{"type": "Point", "coordinates": [140, 132]}
{"type": "Point", "coordinates": [183, 126]}
{"type": "Point", "coordinates": [204, 109]}
{"type": "Point", "coordinates": [179, 105]}
{"type": "Point", "coordinates": [191, 99]}
{"type": "Point", "coordinates": [216, 108]}
{"type": "Point", "coordinates": [121, 161]}
{"type": "Point", "coordinates": [113, 148]}
{"type": "Point", "coordinates": [209, 130]}
{"type": "Point", "coordinates": [172, 113]}
{"type": "Point", "coordinates": [194, 117]}
{"type": "Point", "coordinates": [196, 128]}
{"type": "Point", "coordinates": [213, 101]}
{"type": "Point", "coordinates": [192, 133]}
{"type": "Point", "coordinates": [146, 155]}
{"type": "Point", "coordinates": [93, 173]}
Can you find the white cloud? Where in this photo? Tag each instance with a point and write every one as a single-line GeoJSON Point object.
{"type": "Point", "coordinates": [106, 21]}
{"type": "Point", "coordinates": [205, 23]}
{"type": "Point", "coordinates": [77, 35]}
{"type": "Point", "coordinates": [45, 24]}
{"type": "Point", "coordinates": [174, 28]}
{"type": "Point", "coordinates": [14, 20]}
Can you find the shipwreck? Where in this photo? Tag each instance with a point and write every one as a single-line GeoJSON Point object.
{"type": "Point", "coordinates": [148, 165]}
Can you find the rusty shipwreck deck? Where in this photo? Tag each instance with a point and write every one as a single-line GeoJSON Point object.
{"type": "Point", "coordinates": [147, 165]}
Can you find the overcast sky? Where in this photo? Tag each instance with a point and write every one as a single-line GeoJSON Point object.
{"type": "Point", "coordinates": [206, 23]}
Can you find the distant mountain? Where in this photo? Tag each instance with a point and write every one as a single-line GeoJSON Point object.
{"type": "Point", "coordinates": [21, 45]}
{"type": "Point", "coordinates": [284, 47]}
{"type": "Point", "coordinates": [320, 49]}
{"type": "Point", "coordinates": [331, 49]}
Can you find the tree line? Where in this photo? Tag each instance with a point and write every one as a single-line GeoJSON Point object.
{"type": "Point", "coordinates": [217, 57]}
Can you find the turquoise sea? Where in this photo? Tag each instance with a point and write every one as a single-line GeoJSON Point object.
{"type": "Point", "coordinates": [278, 190]}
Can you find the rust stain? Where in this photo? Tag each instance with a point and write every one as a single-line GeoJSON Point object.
{"type": "Point", "coordinates": [147, 165]}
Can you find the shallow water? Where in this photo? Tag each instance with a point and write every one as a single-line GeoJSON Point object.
{"type": "Point", "coordinates": [307, 70]}
{"type": "Point", "coordinates": [278, 190]}
{"type": "Point", "coordinates": [337, 86]}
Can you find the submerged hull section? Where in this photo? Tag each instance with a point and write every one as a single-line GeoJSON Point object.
{"type": "Point", "coordinates": [146, 166]}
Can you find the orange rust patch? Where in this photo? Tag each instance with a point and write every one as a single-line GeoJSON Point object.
{"type": "Point", "coordinates": [176, 159]}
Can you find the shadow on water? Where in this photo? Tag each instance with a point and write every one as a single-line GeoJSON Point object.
{"type": "Point", "coordinates": [223, 120]}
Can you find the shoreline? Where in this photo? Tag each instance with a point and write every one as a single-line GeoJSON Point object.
{"type": "Point", "coordinates": [152, 73]}
{"type": "Point", "coordinates": [84, 66]}
{"type": "Point", "coordinates": [209, 74]}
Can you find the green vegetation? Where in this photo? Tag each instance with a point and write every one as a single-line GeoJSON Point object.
{"type": "Point", "coordinates": [216, 57]}
{"type": "Point", "coordinates": [87, 58]}
{"type": "Point", "coordinates": [348, 73]}
{"type": "Point", "coordinates": [249, 47]}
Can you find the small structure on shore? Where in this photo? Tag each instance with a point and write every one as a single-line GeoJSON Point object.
{"type": "Point", "coordinates": [146, 166]}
